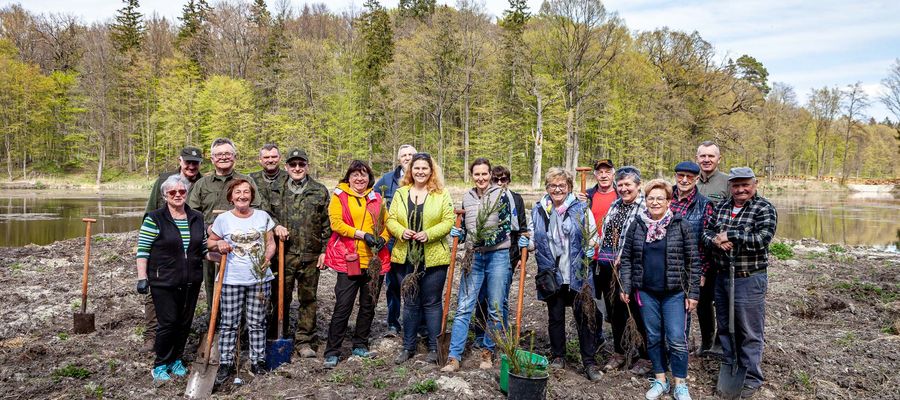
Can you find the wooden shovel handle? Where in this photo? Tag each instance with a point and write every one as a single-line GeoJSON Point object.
{"type": "Point", "coordinates": [280, 287]}
{"type": "Point", "coordinates": [87, 260]}
{"type": "Point", "coordinates": [522, 262]}
{"type": "Point", "coordinates": [449, 282]}
{"type": "Point", "coordinates": [583, 171]}
{"type": "Point", "coordinates": [214, 313]}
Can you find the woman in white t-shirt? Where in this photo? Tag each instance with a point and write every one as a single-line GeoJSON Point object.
{"type": "Point", "coordinates": [245, 235]}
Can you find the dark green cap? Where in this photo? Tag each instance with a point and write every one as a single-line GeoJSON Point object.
{"type": "Point", "coordinates": [297, 153]}
{"type": "Point", "coordinates": [191, 154]}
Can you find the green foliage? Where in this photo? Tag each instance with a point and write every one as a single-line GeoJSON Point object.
{"type": "Point", "coordinates": [782, 251]}
{"type": "Point", "coordinates": [94, 390]}
{"type": "Point", "coordinates": [423, 387]}
{"type": "Point", "coordinates": [62, 336]}
{"type": "Point", "coordinates": [71, 371]}
{"type": "Point", "coordinates": [379, 383]}
{"type": "Point", "coordinates": [128, 31]}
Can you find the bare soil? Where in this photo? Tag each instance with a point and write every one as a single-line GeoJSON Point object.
{"type": "Point", "coordinates": [833, 317]}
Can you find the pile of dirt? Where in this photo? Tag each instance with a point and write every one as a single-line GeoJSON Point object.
{"type": "Point", "coordinates": [833, 318]}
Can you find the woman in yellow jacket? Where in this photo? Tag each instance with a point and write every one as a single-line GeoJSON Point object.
{"type": "Point", "coordinates": [354, 241]}
{"type": "Point", "coordinates": [420, 219]}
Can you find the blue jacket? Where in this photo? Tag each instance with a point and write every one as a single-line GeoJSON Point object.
{"type": "Point", "coordinates": [572, 221]}
{"type": "Point", "coordinates": [391, 182]}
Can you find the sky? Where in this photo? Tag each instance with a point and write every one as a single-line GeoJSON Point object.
{"type": "Point", "coordinates": [806, 44]}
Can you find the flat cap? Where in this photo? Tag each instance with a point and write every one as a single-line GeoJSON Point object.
{"type": "Point", "coordinates": [741, 173]}
{"type": "Point", "coordinates": [297, 153]}
{"type": "Point", "coordinates": [688, 166]}
{"type": "Point", "coordinates": [191, 154]}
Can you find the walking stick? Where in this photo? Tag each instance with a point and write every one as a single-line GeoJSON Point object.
{"type": "Point", "coordinates": [524, 258]}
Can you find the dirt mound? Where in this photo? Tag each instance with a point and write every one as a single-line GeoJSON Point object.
{"type": "Point", "coordinates": [833, 320]}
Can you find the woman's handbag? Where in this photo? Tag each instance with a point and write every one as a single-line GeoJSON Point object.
{"type": "Point", "coordinates": [546, 283]}
{"type": "Point", "coordinates": [352, 260]}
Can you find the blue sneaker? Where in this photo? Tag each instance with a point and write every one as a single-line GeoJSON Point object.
{"type": "Point", "coordinates": [681, 392]}
{"type": "Point", "coordinates": [330, 362]}
{"type": "Point", "coordinates": [657, 389]}
{"type": "Point", "coordinates": [363, 353]}
{"type": "Point", "coordinates": [177, 368]}
{"type": "Point", "coordinates": [160, 373]}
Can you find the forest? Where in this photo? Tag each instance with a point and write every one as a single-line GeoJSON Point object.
{"type": "Point", "coordinates": [557, 86]}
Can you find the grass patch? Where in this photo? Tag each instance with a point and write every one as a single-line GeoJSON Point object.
{"type": "Point", "coordinates": [71, 371]}
{"type": "Point", "coordinates": [379, 383]}
{"type": "Point", "coordinates": [62, 336]}
{"type": "Point", "coordinates": [357, 381]}
{"type": "Point", "coordinates": [868, 290]}
{"type": "Point", "coordinates": [401, 372]}
{"type": "Point", "coordinates": [140, 330]}
{"type": "Point", "coordinates": [337, 377]}
{"type": "Point", "coordinates": [803, 379]}
{"type": "Point", "coordinates": [373, 362]}
{"type": "Point", "coordinates": [782, 251]}
{"type": "Point", "coordinates": [94, 390]}
{"type": "Point", "coordinates": [836, 249]}
{"type": "Point", "coordinates": [847, 340]}
{"type": "Point", "coordinates": [423, 387]}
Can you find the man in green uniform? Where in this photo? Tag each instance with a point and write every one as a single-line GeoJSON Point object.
{"type": "Point", "coordinates": [299, 206]}
{"type": "Point", "coordinates": [189, 167]}
{"type": "Point", "coordinates": [208, 195]}
{"type": "Point", "coordinates": [271, 174]}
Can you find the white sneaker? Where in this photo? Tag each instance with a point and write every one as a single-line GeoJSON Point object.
{"type": "Point", "coordinates": [657, 389]}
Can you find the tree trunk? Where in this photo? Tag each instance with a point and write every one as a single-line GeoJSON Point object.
{"type": "Point", "coordinates": [100, 160]}
{"type": "Point", "coordinates": [570, 139]}
{"type": "Point", "coordinates": [466, 139]}
{"type": "Point", "coordinates": [538, 134]}
{"type": "Point", "coordinates": [8, 146]}
{"type": "Point", "coordinates": [440, 123]}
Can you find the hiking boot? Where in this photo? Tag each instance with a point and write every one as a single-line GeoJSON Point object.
{"type": "Point", "coordinates": [392, 332]}
{"type": "Point", "coordinates": [657, 389]}
{"type": "Point", "coordinates": [223, 373]}
{"type": "Point", "coordinates": [160, 373]}
{"type": "Point", "coordinates": [681, 392]}
{"type": "Point", "coordinates": [641, 367]}
{"type": "Point", "coordinates": [593, 373]}
{"type": "Point", "coordinates": [147, 347]}
{"type": "Point", "coordinates": [330, 362]}
{"type": "Point", "coordinates": [177, 368]}
{"type": "Point", "coordinates": [487, 359]}
{"type": "Point", "coordinates": [305, 351]}
{"type": "Point", "coordinates": [452, 365]}
{"type": "Point", "coordinates": [431, 357]}
{"type": "Point", "coordinates": [403, 356]}
{"type": "Point", "coordinates": [363, 352]}
{"type": "Point", "coordinates": [748, 392]}
{"type": "Point", "coordinates": [615, 361]}
{"type": "Point", "coordinates": [258, 368]}
{"type": "Point", "coordinates": [558, 363]}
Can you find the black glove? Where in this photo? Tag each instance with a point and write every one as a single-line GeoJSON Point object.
{"type": "Point", "coordinates": [143, 287]}
{"type": "Point", "coordinates": [374, 242]}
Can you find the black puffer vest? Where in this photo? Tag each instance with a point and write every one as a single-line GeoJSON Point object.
{"type": "Point", "coordinates": [169, 265]}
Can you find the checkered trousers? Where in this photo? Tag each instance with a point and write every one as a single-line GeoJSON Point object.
{"type": "Point", "coordinates": [235, 300]}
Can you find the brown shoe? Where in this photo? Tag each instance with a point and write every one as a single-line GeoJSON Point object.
{"type": "Point", "coordinates": [487, 359]}
{"type": "Point", "coordinates": [616, 361]}
{"type": "Point", "coordinates": [452, 365]}
{"type": "Point", "coordinates": [641, 367]}
{"type": "Point", "coordinates": [148, 345]}
{"type": "Point", "coordinates": [304, 351]}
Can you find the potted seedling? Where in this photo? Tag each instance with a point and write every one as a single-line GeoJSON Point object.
{"type": "Point", "coordinates": [523, 374]}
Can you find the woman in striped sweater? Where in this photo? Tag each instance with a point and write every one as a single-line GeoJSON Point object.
{"type": "Point", "coordinates": [171, 247]}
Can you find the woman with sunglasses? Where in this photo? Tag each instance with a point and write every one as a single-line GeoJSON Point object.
{"type": "Point", "coordinates": [420, 217]}
{"type": "Point", "coordinates": [171, 247]}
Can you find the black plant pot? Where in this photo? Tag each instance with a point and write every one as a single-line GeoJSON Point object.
{"type": "Point", "coordinates": [525, 388]}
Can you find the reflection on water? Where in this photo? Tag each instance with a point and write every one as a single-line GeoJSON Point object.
{"type": "Point", "coordinates": [853, 219]}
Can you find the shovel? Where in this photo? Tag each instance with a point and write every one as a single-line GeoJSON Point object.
{"type": "Point", "coordinates": [84, 322]}
{"type": "Point", "coordinates": [203, 370]}
{"type": "Point", "coordinates": [731, 376]}
{"type": "Point", "coordinates": [279, 350]}
{"type": "Point", "coordinates": [583, 172]}
{"type": "Point", "coordinates": [443, 339]}
{"type": "Point", "coordinates": [524, 258]}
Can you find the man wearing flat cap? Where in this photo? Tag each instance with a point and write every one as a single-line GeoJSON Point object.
{"type": "Point", "coordinates": [738, 234]}
{"type": "Point", "coordinates": [299, 206]}
{"type": "Point", "coordinates": [696, 208]}
{"type": "Point", "coordinates": [189, 168]}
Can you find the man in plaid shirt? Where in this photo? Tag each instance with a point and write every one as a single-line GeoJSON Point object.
{"type": "Point", "coordinates": [739, 232]}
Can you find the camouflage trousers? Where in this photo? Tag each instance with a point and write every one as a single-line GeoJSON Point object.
{"type": "Point", "coordinates": [305, 277]}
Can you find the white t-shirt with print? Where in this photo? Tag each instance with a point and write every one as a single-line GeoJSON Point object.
{"type": "Point", "coordinates": [247, 237]}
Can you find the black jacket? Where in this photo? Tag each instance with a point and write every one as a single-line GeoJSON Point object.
{"type": "Point", "coordinates": [682, 259]}
{"type": "Point", "coordinates": [169, 265]}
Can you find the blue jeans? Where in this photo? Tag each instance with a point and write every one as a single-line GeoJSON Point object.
{"type": "Point", "coordinates": [425, 308]}
{"type": "Point", "coordinates": [481, 311]}
{"type": "Point", "coordinates": [749, 322]}
{"type": "Point", "coordinates": [392, 280]}
{"type": "Point", "coordinates": [489, 269]}
{"type": "Point", "coordinates": [664, 317]}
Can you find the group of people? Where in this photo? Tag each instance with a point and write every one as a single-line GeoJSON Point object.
{"type": "Point", "coordinates": [640, 258]}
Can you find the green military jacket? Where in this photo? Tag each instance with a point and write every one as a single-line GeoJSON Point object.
{"type": "Point", "coordinates": [305, 215]}
{"type": "Point", "coordinates": [208, 194]}
{"type": "Point", "coordinates": [264, 186]}
{"type": "Point", "coordinates": [156, 199]}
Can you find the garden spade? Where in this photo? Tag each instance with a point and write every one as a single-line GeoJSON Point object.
{"type": "Point", "coordinates": [83, 321]}
{"type": "Point", "coordinates": [521, 292]}
{"type": "Point", "coordinates": [443, 339]}
{"type": "Point", "coordinates": [731, 376]}
{"type": "Point", "coordinates": [280, 349]}
{"type": "Point", "coordinates": [203, 370]}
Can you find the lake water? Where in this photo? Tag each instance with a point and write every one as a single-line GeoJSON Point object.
{"type": "Point", "coordinates": [853, 219]}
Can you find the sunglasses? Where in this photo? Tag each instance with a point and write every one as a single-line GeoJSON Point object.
{"type": "Point", "coordinates": [421, 156]}
{"type": "Point", "coordinates": [180, 192]}
{"type": "Point", "coordinates": [502, 179]}
{"type": "Point", "coordinates": [297, 164]}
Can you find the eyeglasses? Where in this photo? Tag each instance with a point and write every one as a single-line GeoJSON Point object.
{"type": "Point", "coordinates": [223, 155]}
{"type": "Point", "coordinates": [501, 179]}
{"type": "Point", "coordinates": [180, 192]}
{"type": "Point", "coordinates": [656, 199]}
{"type": "Point", "coordinates": [297, 164]}
{"type": "Point", "coordinates": [557, 188]}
